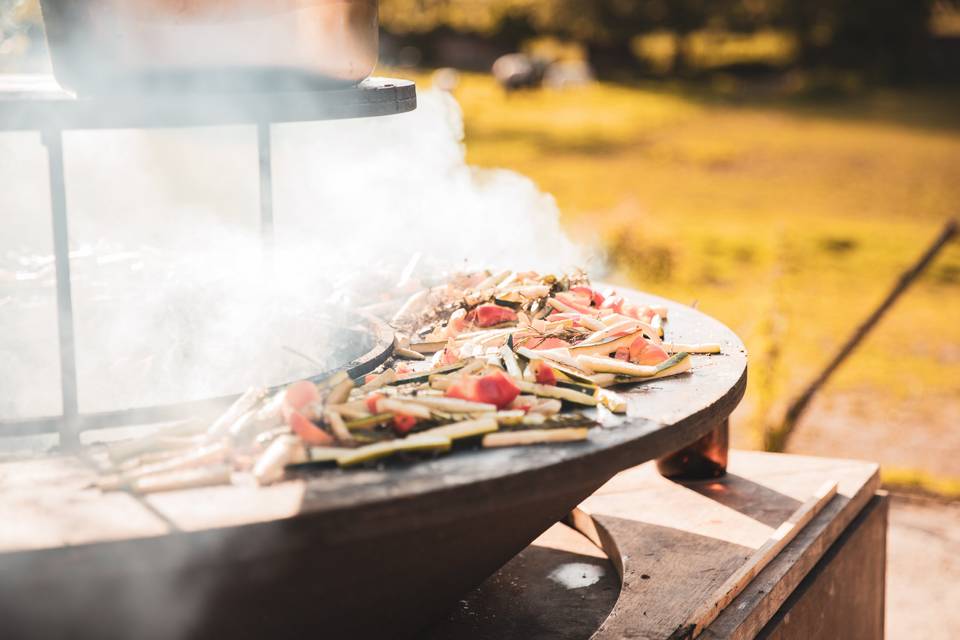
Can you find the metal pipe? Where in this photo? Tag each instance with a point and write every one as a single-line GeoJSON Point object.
{"type": "Point", "coordinates": [69, 426]}
{"type": "Point", "coordinates": [266, 189]}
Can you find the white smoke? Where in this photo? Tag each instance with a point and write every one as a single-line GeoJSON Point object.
{"type": "Point", "coordinates": [172, 298]}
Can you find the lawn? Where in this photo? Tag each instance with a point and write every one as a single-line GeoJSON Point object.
{"type": "Point", "coordinates": [788, 219]}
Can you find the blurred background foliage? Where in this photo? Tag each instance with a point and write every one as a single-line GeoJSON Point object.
{"type": "Point", "coordinates": [890, 40]}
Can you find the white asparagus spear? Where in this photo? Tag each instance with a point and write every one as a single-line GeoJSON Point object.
{"type": "Point", "coordinates": [673, 347]}
{"type": "Point", "coordinates": [491, 281]}
{"type": "Point", "coordinates": [408, 354]}
{"type": "Point", "coordinates": [612, 400]}
{"type": "Point", "coordinates": [612, 365]}
{"type": "Point", "coordinates": [453, 405]}
{"type": "Point", "coordinates": [339, 429]}
{"type": "Point", "coordinates": [634, 326]}
{"type": "Point", "coordinates": [534, 436]}
{"type": "Point", "coordinates": [247, 401]}
{"type": "Point", "coordinates": [382, 379]}
{"type": "Point", "coordinates": [286, 449]}
{"type": "Point", "coordinates": [210, 454]}
{"type": "Point", "coordinates": [585, 319]}
{"type": "Point", "coordinates": [560, 393]}
{"type": "Point", "coordinates": [389, 405]}
{"type": "Point", "coordinates": [408, 306]}
{"type": "Point", "coordinates": [183, 479]}
{"type": "Point", "coordinates": [121, 451]}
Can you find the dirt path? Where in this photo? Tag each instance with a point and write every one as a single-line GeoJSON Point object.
{"type": "Point", "coordinates": [910, 433]}
{"type": "Point", "coordinates": [923, 570]}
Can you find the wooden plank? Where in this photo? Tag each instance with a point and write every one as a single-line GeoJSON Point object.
{"type": "Point", "coordinates": [46, 503]}
{"type": "Point", "coordinates": [780, 538]}
{"type": "Point", "coordinates": [843, 596]}
{"type": "Point", "coordinates": [675, 545]}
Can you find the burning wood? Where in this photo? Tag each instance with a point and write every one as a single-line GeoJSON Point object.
{"type": "Point", "coordinates": [514, 356]}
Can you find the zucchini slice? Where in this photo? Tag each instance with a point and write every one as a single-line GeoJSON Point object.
{"type": "Point", "coordinates": [535, 436]}
{"type": "Point", "coordinates": [370, 452]}
{"type": "Point", "coordinates": [560, 393]}
{"type": "Point", "coordinates": [461, 430]}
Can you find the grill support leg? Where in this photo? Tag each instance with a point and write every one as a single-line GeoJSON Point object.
{"type": "Point", "coordinates": [69, 426]}
{"type": "Point", "coordinates": [266, 189]}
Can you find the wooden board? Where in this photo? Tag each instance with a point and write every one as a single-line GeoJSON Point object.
{"type": "Point", "coordinates": [675, 544]}
{"type": "Point", "coordinates": [843, 596]}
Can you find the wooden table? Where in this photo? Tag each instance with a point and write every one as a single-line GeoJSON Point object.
{"type": "Point", "coordinates": [638, 556]}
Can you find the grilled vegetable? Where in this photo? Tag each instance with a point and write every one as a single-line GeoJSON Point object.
{"type": "Point", "coordinates": [710, 347]}
{"type": "Point", "coordinates": [559, 393]}
{"type": "Point", "coordinates": [281, 452]}
{"type": "Point", "coordinates": [452, 405]}
{"type": "Point", "coordinates": [534, 436]}
{"type": "Point", "coordinates": [462, 430]}
{"type": "Point", "coordinates": [606, 347]}
{"type": "Point", "coordinates": [510, 361]}
{"type": "Point", "coordinates": [643, 352]}
{"type": "Point", "coordinates": [612, 365]}
{"type": "Point", "coordinates": [183, 479]}
{"type": "Point", "coordinates": [380, 450]}
{"type": "Point", "coordinates": [423, 376]}
{"type": "Point", "coordinates": [496, 388]}
{"type": "Point", "coordinates": [612, 401]}
{"type": "Point", "coordinates": [491, 315]}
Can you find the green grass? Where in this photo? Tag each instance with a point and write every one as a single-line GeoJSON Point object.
{"type": "Point", "coordinates": [787, 218]}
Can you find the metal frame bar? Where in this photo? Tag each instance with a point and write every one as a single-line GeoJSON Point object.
{"type": "Point", "coordinates": [265, 158]}
{"type": "Point", "coordinates": [53, 111]}
{"type": "Point", "coordinates": [69, 426]}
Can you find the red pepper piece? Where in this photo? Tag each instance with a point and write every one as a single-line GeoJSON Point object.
{"type": "Point", "coordinates": [307, 431]}
{"type": "Point", "coordinates": [402, 424]}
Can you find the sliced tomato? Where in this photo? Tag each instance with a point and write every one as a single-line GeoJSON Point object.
{"type": "Point", "coordinates": [495, 388]}
{"type": "Point", "coordinates": [488, 315]}
{"type": "Point", "coordinates": [542, 372]}
{"type": "Point", "coordinates": [297, 396]}
{"type": "Point", "coordinates": [594, 296]}
{"type": "Point", "coordinates": [643, 352]}
{"type": "Point", "coordinates": [307, 431]}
